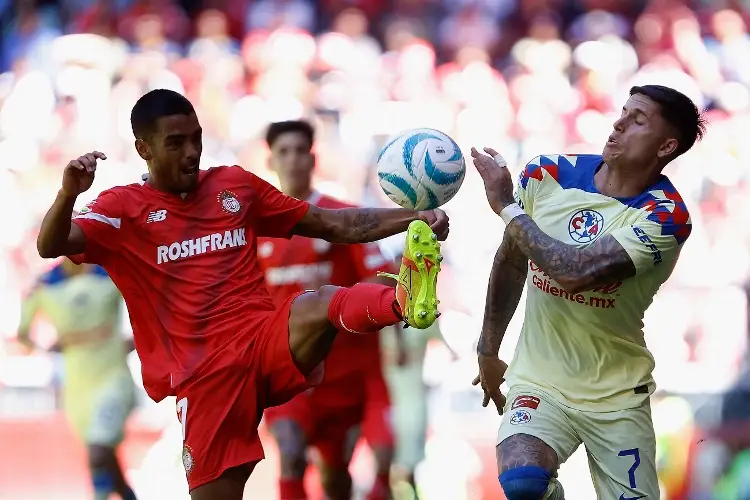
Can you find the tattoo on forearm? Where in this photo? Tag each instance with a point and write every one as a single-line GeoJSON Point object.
{"type": "Point", "coordinates": [602, 263]}
{"type": "Point", "coordinates": [363, 223]}
{"type": "Point", "coordinates": [522, 450]}
{"type": "Point", "coordinates": [503, 294]}
{"type": "Point", "coordinates": [354, 225]}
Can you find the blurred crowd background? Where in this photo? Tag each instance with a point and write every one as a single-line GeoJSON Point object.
{"type": "Point", "coordinates": [525, 77]}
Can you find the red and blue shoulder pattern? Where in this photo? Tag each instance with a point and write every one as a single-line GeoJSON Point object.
{"type": "Point", "coordinates": [661, 201]}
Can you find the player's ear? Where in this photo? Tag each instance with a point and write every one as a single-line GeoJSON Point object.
{"type": "Point", "coordinates": [667, 148]}
{"type": "Point", "coordinates": [144, 150]}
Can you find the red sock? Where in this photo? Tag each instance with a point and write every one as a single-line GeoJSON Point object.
{"type": "Point", "coordinates": [381, 488]}
{"type": "Point", "coordinates": [292, 489]}
{"type": "Point", "coordinates": [364, 308]}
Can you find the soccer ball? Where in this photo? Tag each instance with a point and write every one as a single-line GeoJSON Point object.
{"type": "Point", "coordinates": [421, 169]}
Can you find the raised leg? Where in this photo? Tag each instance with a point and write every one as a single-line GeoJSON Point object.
{"type": "Point", "coordinates": [317, 316]}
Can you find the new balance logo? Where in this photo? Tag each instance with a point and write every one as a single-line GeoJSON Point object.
{"type": "Point", "coordinates": [156, 216]}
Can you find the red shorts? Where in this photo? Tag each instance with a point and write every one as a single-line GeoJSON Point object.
{"type": "Point", "coordinates": [221, 405]}
{"type": "Point", "coordinates": [333, 415]}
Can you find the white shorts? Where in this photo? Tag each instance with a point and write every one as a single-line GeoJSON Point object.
{"type": "Point", "coordinates": [621, 445]}
{"type": "Point", "coordinates": [99, 418]}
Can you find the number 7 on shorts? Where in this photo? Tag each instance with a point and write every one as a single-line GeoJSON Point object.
{"type": "Point", "coordinates": [182, 408]}
{"type": "Point", "coordinates": [624, 453]}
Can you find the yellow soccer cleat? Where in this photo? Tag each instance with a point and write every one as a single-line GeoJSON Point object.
{"type": "Point", "coordinates": [416, 290]}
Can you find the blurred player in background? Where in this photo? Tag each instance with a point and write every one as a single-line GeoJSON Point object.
{"type": "Point", "coordinates": [597, 236]}
{"type": "Point", "coordinates": [353, 397]}
{"type": "Point", "coordinates": [404, 369]}
{"type": "Point", "coordinates": [84, 306]}
{"type": "Point", "coordinates": [182, 248]}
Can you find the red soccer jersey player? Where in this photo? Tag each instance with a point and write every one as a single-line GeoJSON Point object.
{"type": "Point", "coordinates": [354, 392]}
{"type": "Point", "coordinates": [181, 248]}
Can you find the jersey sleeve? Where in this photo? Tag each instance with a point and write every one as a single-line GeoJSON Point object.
{"type": "Point", "coordinates": [528, 182]}
{"type": "Point", "coordinates": [369, 260]}
{"type": "Point", "coordinates": [273, 213]}
{"type": "Point", "coordinates": [101, 222]}
{"type": "Point", "coordinates": [657, 237]}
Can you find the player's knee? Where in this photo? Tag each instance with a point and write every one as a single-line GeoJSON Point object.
{"type": "Point", "coordinates": [311, 308]}
{"type": "Point", "coordinates": [525, 483]}
{"type": "Point", "coordinates": [292, 448]}
{"type": "Point", "coordinates": [320, 300]}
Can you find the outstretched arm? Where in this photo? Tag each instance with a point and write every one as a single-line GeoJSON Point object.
{"type": "Point", "coordinates": [575, 269]}
{"type": "Point", "coordinates": [363, 225]}
{"type": "Point", "coordinates": [509, 270]}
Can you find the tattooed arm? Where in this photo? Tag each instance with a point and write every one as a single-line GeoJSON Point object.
{"type": "Point", "coordinates": [575, 269]}
{"type": "Point", "coordinates": [509, 271]}
{"type": "Point", "coordinates": [363, 225]}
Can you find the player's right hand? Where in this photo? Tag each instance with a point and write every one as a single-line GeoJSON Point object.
{"type": "Point", "coordinates": [438, 222]}
{"type": "Point", "coordinates": [491, 377]}
{"type": "Point", "coordinates": [79, 173]}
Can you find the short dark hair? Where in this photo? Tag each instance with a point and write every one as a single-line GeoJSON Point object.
{"type": "Point", "coordinates": [679, 111]}
{"type": "Point", "coordinates": [279, 128]}
{"type": "Point", "coordinates": [154, 105]}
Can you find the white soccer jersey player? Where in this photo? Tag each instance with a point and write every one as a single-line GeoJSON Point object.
{"type": "Point", "coordinates": [581, 370]}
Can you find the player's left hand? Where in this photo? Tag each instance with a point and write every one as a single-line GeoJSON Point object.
{"type": "Point", "coordinates": [498, 182]}
{"type": "Point", "coordinates": [438, 222]}
{"type": "Point", "coordinates": [491, 377]}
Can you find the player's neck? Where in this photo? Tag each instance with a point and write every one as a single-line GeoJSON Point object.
{"type": "Point", "coordinates": [623, 183]}
{"type": "Point", "coordinates": [300, 194]}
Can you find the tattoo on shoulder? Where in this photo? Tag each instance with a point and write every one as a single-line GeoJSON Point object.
{"type": "Point", "coordinates": [603, 262]}
{"type": "Point", "coordinates": [521, 450]}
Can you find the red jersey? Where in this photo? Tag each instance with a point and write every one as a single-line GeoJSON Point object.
{"type": "Point", "coordinates": [187, 265]}
{"type": "Point", "coordinates": [300, 263]}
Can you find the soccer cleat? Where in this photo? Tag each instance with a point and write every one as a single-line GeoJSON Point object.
{"type": "Point", "coordinates": [416, 290]}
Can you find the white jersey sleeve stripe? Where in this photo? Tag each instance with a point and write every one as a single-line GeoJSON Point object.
{"type": "Point", "coordinates": [101, 218]}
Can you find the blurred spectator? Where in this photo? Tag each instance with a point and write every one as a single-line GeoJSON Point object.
{"type": "Point", "coordinates": [273, 14]}
{"type": "Point", "coordinates": [469, 26]}
{"type": "Point", "coordinates": [28, 37]}
{"type": "Point", "coordinates": [162, 19]}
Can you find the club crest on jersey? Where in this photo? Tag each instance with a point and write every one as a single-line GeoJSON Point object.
{"type": "Point", "coordinates": [585, 226]}
{"type": "Point", "coordinates": [229, 202]}
{"type": "Point", "coordinates": [520, 417]}
{"type": "Point", "coordinates": [187, 459]}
